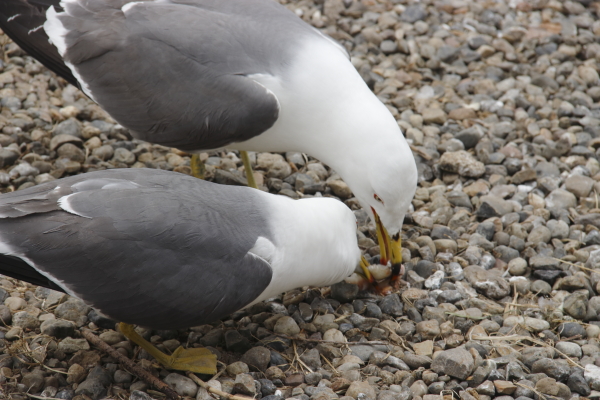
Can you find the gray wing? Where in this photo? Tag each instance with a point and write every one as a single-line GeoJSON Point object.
{"type": "Point", "coordinates": [147, 247]}
{"type": "Point", "coordinates": [176, 72]}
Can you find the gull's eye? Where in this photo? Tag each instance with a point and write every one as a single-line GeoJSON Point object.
{"type": "Point", "coordinates": [377, 198]}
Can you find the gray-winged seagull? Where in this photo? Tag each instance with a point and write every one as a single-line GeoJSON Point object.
{"type": "Point", "coordinates": [246, 74]}
{"type": "Point", "coordinates": [165, 250]}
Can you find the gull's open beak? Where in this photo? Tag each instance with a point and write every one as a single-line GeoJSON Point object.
{"type": "Point", "coordinates": [390, 248]}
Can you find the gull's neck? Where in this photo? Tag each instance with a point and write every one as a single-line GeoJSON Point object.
{"type": "Point", "coordinates": [328, 112]}
{"type": "Point", "coordinates": [313, 243]}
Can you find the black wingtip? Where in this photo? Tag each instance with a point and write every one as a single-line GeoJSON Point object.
{"type": "Point", "coordinates": [22, 20]}
{"type": "Point", "coordinates": [15, 267]}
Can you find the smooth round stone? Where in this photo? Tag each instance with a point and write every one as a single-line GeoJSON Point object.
{"type": "Point", "coordinates": [513, 320]}
{"type": "Point", "coordinates": [522, 284]}
{"type": "Point", "coordinates": [541, 287]}
{"type": "Point", "coordinates": [237, 367]}
{"type": "Point", "coordinates": [517, 266]}
{"type": "Point", "coordinates": [593, 331]}
{"type": "Point", "coordinates": [536, 324]}
{"type": "Point", "coordinates": [184, 386]}
{"type": "Point", "coordinates": [569, 348]}
{"type": "Point", "coordinates": [15, 303]}
{"type": "Point", "coordinates": [286, 326]}
{"type": "Point", "coordinates": [334, 335]}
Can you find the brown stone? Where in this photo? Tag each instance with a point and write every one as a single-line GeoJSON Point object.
{"type": "Point", "coordinates": [434, 116]}
{"type": "Point", "coordinates": [76, 374]}
{"type": "Point", "coordinates": [524, 176]}
{"type": "Point", "coordinates": [462, 113]}
{"type": "Point", "coordinates": [424, 348]}
{"type": "Point", "coordinates": [505, 387]}
{"type": "Point", "coordinates": [457, 363]}
{"type": "Point", "coordinates": [478, 187]}
{"type": "Point", "coordinates": [294, 380]}
{"type": "Point", "coordinates": [429, 329]}
{"type": "Point", "coordinates": [362, 389]}
{"type": "Point", "coordinates": [340, 384]}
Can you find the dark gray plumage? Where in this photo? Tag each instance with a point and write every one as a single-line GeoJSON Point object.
{"type": "Point", "coordinates": [176, 73]}
{"type": "Point", "coordinates": [148, 247]}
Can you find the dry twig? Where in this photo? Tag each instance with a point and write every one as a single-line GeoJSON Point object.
{"type": "Point", "coordinates": [518, 338]}
{"type": "Point", "coordinates": [329, 363]}
{"type": "Point", "coordinates": [218, 392]}
{"type": "Point", "coordinates": [296, 357]}
{"type": "Point", "coordinates": [40, 397]}
{"type": "Point", "coordinates": [373, 342]}
{"type": "Point", "coordinates": [130, 365]}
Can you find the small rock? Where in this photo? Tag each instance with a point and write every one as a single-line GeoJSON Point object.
{"type": "Point", "coordinates": [592, 376]}
{"type": "Point", "coordinates": [462, 113]}
{"type": "Point", "coordinates": [457, 363]}
{"type": "Point", "coordinates": [275, 165]}
{"type": "Point", "coordinates": [429, 329]}
{"type": "Point", "coordinates": [361, 391]}
{"type": "Point", "coordinates": [73, 310]}
{"type": "Point", "coordinates": [139, 395]}
{"type": "Point", "coordinates": [34, 382]}
{"type": "Point", "coordinates": [238, 367]}
{"type": "Point", "coordinates": [312, 358]}
{"type": "Point", "coordinates": [286, 326]}
{"type": "Point", "coordinates": [70, 127]}
{"type": "Point", "coordinates": [15, 303]}
{"type": "Point", "coordinates": [517, 267]}
{"type": "Point", "coordinates": [579, 185]}
{"type": "Point", "coordinates": [340, 188]}
{"type": "Point", "coordinates": [234, 341]}
{"type": "Point", "coordinates": [91, 387]}
{"type": "Point", "coordinates": [58, 328]}
{"type": "Point", "coordinates": [76, 373]}
{"type": "Point", "coordinates": [391, 305]}
{"type": "Point", "coordinates": [294, 380]}
{"type": "Point", "coordinates": [561, 199]}
{"type": "Point", "coordinates": [184, 386]}
{"type": "Point", "coordinates": [24, 320]}
{"type": "Point", "coordinates": [505, 387]}
{"type": "Point", "coordinates": [334, 335]}
{"type": "Point", "coordinates": [244, 384]}
{"type": "Point", "coordinates": [492, 206]}
{"type": "Point", "coordinates": [8, 157]}
{"type": "Point", "coordinates": [462, 163]}
{"type": "Point", "coordinates": [569, 348]}
{"type": "Point", "coordinates": [258, 358]}
{"type": "Point", "coordinates": [69, 345]}
{"type": "Point", "coordinates": [111, 337]}
{"type": "Point", "coordinates": [571, 330]}
{"type": "Point", "coordinates": [434, 116]}
{"type": "Point", "coordinates": [576, 304]}
{"type": "Point", "coordinates": [551, 387]}
{"type": "Point", "coordinates": [344, 292]}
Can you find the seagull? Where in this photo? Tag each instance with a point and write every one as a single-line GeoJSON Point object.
{"type": "Point", "coordinates": [165, 250]}
{"type": "Point", "coordinates": [246, 74]}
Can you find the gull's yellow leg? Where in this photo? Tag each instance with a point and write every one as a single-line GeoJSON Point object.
{"type": "Point", "coordinates": [248, 169]}
{"type": "Point", "coordinates": [197, 166]}
{"type": "Point", "coordinates": [197, 360]}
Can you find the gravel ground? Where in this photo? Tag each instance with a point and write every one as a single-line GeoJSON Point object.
{"type": "Point", "coordinates": [499, 100]}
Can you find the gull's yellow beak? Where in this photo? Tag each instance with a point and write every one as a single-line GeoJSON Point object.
{"type": "Point", "coordinates": [364, 265]}
{"type": "Point", "coordinates": [390, 248]}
